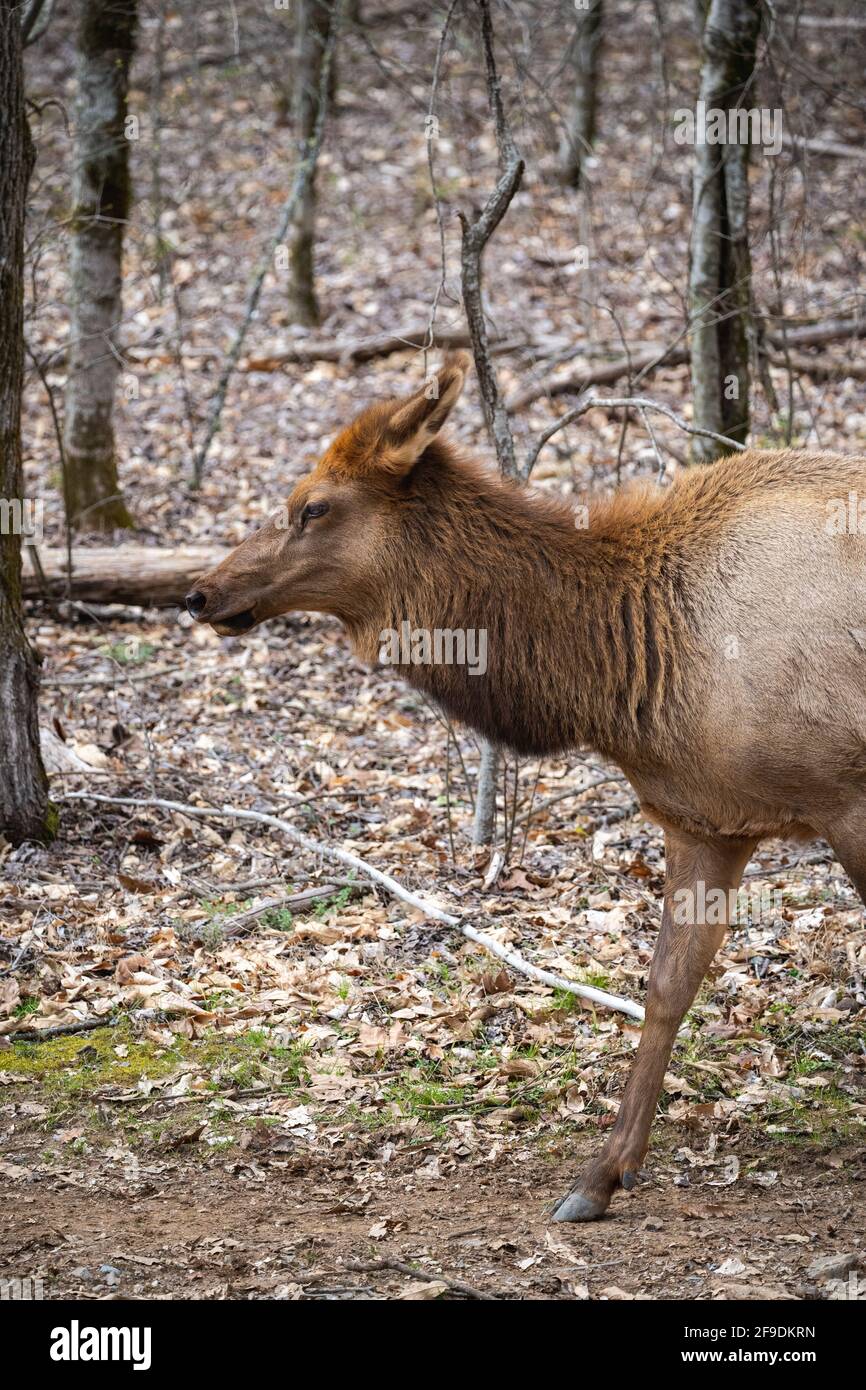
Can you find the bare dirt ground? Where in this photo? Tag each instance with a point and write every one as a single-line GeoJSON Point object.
{"type": "Point", "coordinates": [290, 1226]}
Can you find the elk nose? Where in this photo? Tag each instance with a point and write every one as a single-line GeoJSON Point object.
{"type": "Point", "coordinates": [195, 603]}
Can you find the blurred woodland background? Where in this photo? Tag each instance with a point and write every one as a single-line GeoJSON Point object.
{"type": "Point", "coordinates": [224, 228]}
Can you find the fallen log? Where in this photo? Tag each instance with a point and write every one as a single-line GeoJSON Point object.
{"type": "Point", "coordinates": [607, 373]}
{"type": "Point", "coordinates": [377, 345]}
{"type": "Point", "coordinates": [831, 149]}
{"type": "Point", "coordinates": [143, 575]}
{"type": "Point", "coordinates": [821, 368]}
{"type": "Point", "coordinates": [819, 334]}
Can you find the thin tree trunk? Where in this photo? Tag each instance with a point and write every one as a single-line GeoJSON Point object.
{"type": "Point", "coordinates": [579, 132]}
{"type": "Point", "coordinates": [24, 811]}
{"type": "Point", "coordinates": [484, 823]}
{"type": "Point", "coordinates": [720, 297]}
{"type": "Point", "coordinates": [101, 199]}
{"type": "Point", "coordinates": [314, 19]}
{"type": "Point", "coordinates": [475, 238]}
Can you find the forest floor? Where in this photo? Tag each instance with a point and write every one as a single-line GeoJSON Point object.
{"type": "Point", "coordinates": [350, 1083]}
{"type": "Point", "coordinates": [284, 1219]}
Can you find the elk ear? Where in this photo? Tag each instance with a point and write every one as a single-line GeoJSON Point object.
{"type": "Point", "coordinates": [415, 423]}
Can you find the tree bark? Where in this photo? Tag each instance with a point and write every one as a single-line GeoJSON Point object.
{"type": "Point", "coordinates": [101, 200]}
{"type": "Point", "coordinates": [638, 364]}
{"type": "Point", "coordinates": [24, 810]}
{"type": "Point", "coordinates": [475, 238]}
{"type": "Point", "coordinates": [484, 822]}
{"type": "Point", "coordinates": [314, 19]}
{"type": "Point", "coordinates": [579, 132]}
{"type": "Point", "coordinates": [720, 296]}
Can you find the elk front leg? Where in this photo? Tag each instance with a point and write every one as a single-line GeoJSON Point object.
{"type": "Point", "coordinates": [694, 920]}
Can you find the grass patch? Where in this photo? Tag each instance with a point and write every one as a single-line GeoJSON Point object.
{"type": "Point", "coordinates": [71, 1070]}
{"type": "Point", "coordinates": [83, 1062]}
{"type": "Point", "coordinates": [28, 1005]}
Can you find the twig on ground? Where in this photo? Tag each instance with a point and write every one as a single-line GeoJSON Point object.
{"type": "Point", "coordinates": [241, 920]}
{"type": "Point", "coordinates": [376, 1266]}
{"type": "Point", "coordinates": [32, 1035]}
{"type": "Point", "coordinates": [572, 791]}
{"type": "Point", "coordinates": [21, 953]}
{"type": "Point", "coordinates": [119, 679]}
{"type": "Point", "coordinates": [352, 861]}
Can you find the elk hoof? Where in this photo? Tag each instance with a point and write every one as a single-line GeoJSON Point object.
{"type": "Point", "coordinates": [629, 1180]}
{"type": "Point", "coordinates": [576, 1207]}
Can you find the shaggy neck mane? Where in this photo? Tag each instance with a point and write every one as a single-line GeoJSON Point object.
{"type": "Point", "coordinates": [586, 627]}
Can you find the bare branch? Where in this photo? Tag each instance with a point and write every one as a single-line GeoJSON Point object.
{"type": "Point", "coordinates": [641, 403]}
{"type": "Point", "coordinates": [391, 885]}
{"type": "Point", "coordinates": [35, 21]}
{"type": "Point", "coordinates": [475, 237]}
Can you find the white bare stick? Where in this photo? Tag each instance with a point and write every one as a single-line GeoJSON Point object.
{"type": "Point", "coordinates": [642, 403]}
{"type": "Point", "coordinates": [546, 977]}
{"type": "Point", "coordinates": [396, 889]}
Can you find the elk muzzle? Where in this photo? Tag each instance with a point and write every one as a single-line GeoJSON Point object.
{"type": "Point", "coordinates": [206, 610]}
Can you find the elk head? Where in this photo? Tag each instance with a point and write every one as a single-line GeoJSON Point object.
{"type": "Point", "coordinates": [327, 550]}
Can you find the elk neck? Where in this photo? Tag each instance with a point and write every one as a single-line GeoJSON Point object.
{"type": "Point", "coordinates": [585, 614]}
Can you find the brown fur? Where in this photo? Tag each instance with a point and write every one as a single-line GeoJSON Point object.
{"type": "Point", "coordinates": [706, 638]}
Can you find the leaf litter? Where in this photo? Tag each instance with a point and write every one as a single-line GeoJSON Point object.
{"type": "Point", "coordinates": [247, 1110]}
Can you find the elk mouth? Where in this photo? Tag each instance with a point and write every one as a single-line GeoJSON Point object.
{"type": "Point", "coordinates": [237, 623]}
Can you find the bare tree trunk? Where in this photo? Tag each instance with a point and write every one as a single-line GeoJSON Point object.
{"type": "Point", "coordinates": [475, 238]}
{"type": "Point", "coordinates": [101, 198]}
{"type": "Point", "coordinates": [720, 298]}
{"type": "Point", "coordinates": [579, 131]}
{"type": "Point", "coordinates": [314, 19]}
{"type": "Point", "coordinates": [484, 824]}
{"type": "Point", "coordinates": [24, 812]}
{"type": "Point", "coordinates": [303, 173]}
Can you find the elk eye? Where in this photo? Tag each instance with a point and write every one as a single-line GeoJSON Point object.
{"type": "Point", "coordinates": [312, 509]}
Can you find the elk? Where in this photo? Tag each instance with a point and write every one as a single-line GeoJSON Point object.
{"type": "Point", "coordinates": [704, 637]}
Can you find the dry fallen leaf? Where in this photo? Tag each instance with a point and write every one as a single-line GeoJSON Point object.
{"type": "Point", "coordinates": [424, 1290]}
